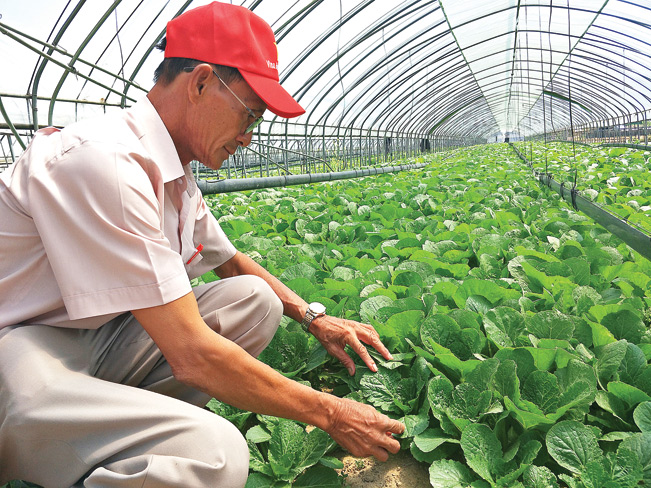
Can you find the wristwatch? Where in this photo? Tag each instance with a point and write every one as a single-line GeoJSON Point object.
{"type": "Point", "coordinates": [314, 310]}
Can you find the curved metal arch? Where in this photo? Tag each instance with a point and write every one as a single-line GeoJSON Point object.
{"type": "Point", "coordinates": [628, 88]}
{"type": "Point", "coordinates": [386, 63]}
{"type": "Point", "coordinates": [589, 81]}
{"type": "Point", "coordinates": [312, 47]}
{"type": "Point", "coordinates": [448, 100]}
{"type": "Point", "coordinates": [115, 37]}
{"type": "Point", "coordinates": [152, 46]}
{"type": "Point", "coordinates": [634, 91]}
{"type": "Point", "coordinates": [335, 81]}
{"type": "Point", "coordinates": [330, 31]}
{"type": "Point", "coordinates": [576, 55]}
{"type": "Point", "coordinates": [294, 20]}
{"type": "Point", "coordinates": [446, 54]}
{"type": "Point", "coordinates": [41, 66]}
{"type": "Point", "coordinates": [440, 110]}
{"type": "Point", "coordinates": [77, 54]}
{"type": "Point", "coordinates": [400, 79]}
{"type": "Point", "coordinates": [562, 78]}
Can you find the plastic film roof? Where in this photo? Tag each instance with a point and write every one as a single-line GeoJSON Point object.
{"type": "Point", "coordinates": [441, 67]}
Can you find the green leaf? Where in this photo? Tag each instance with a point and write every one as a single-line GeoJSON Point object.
{"type": "Point", "coordinates": [539, 477]}
{"type": "Point", "coordinates": [527, 413]}
{"type": "Point", "coordinates": [301, 270]}
{"type": "Point", "coordinates": [368, 310]}
{"type": "Point", "coordinates": [522, 357]}
{"type": "Point", "coordinates": [609, 357]}
{"type": "Point", "coordinates": [240, 227]}
{"type": "Point", "coordinates": [450, 474]}
{"type": "Point", "coordinates": [452, 364]}
{"type": "Point", "coordinates": [572, 445]}
{"type": "Point", "coordinates": [439, 328]}
{"type": "Point", "coordinates": [627, 468]}
{"type": "Point", "coordinates": [642, 416]}
{"type": "Point", "coordinates": [489, 290]}
{"type": "Point", "coordinates": [633, 366]}
{"type": "Point", "coordinates": [625, 324]}
{"type": "Point", "coordinates": [398, 328]}
{"type": "Point", "coordinates": [506, 381]}
{"type": "Point", "coordinates": [257, 434]}
{"type": "Point", "coordinates": [478, 303]}
{"type": "Point", "coordinates": [318, 477]}
{"type": "Point", "coordinates": [640, 444]}
{"type": "Point", "coordinates": [504, 326]}
{"type": "Point", "coordinates": [257, 462]}
{"type": "Point", "coordinates": [389, 391]}
{"type": "Point", "coordinates": [469, 402]}
{"type": "Point", "coordinates": [430, 439]}
{"type": "Point", "coordinates": [482, 450]}
{"type": "Point", "coordinates": [292, 450]}
{"type": "Point", "coordinates": [259, 480]}
{"type": "Point", "coordinates": [288, 352]}
{"type": "Point", "coordinates": [542, 389]}
{"type": "Point", "coordinates": [550, 324]}
{"type": "Point", "coordinates": [629, 394]}
{"type": "Point", "coordinates": [331, 462]}
{"type": "Point", "coordinates": [415, 424]}
{"type": "Point", "coordinates": [285, 447]}
{"type": "Point", "coordinates": [234, 415]}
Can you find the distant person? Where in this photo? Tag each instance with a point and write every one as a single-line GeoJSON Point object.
{"type": "Point", "coordinates": [106, 352]}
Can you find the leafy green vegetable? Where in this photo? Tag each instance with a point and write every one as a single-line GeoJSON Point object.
{"type": "Point", "coordinates": [527, 322]}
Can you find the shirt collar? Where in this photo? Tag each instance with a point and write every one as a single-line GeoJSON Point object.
{"type": "Point", "coordinates": [154, 136]}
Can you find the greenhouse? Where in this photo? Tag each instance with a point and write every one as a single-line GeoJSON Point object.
{"type": "Point", "coordinates": [470, 178]}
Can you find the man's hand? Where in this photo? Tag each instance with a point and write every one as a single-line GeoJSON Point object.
{"type": "Point", "coordinates": [363, 431]}
{"type": "Point", "coordinates": [335, 333]}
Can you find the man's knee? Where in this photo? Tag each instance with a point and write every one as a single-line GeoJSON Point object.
{"type": "Point", "coordinates": [269, 310]}
{"type": "Point", "coordinates": [268, 302]}
{"type": "Point", "coordinates": [243, 309]}
{"type": "Point", "coordinates": [226, 448]}
{"type": "Point", "coordinates": [194, 450]}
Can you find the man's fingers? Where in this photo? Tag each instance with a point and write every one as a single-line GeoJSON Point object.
{"type": "Point", "coordinates": [370, 336]}
{"type": "Point", "coordinates": [396, 427]}
{"type": "Point", "coordinates": [362, 352]}
{"type": "Point", "coordinates": [345, 359]}
{"type": "Point", "coordinates": [380, 454]}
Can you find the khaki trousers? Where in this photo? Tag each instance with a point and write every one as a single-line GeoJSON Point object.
{"type": "Point", "coordinates": [100, 408]}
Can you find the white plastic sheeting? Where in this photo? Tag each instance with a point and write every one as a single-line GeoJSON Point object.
{"type": "Point", "coordinates": [432, 68]}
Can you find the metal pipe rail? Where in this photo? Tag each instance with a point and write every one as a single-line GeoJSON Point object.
{"type": "Point", "coordinates": [208, 187]}
{"type": "Point", "coordinates": [617, 226]}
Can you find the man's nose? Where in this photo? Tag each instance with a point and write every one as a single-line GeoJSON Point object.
{"type": "Point", "coordinates": [244, 139]}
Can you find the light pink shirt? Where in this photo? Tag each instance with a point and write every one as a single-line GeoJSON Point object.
{"type": "Point", "coordinates": [101, 218]}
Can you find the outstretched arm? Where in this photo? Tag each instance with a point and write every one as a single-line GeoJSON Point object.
{"type": "Point", "coordinates": [333, 332]}
{"type": "Point", "coordinates": [207, 361]}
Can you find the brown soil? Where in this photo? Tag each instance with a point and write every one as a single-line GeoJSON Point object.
{"type": "Point", "coordinates": [400, 471]}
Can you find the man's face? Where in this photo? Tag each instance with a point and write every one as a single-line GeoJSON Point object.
{"type": "Point", "coordinates": [217, 127]}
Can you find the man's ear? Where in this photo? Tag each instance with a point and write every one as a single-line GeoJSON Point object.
{"type": "Point", "coordinates": [198, 79]}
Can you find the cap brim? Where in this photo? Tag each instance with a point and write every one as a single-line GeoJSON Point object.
{"type": "Point", "coordinates": [275, 96]}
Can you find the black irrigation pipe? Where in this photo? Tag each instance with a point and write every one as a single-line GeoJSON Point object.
{"type": "Point", "coordinates": [632, 146]}
{"type": "Point", "coordinates": [633, 237]}
{"type": "Point", "coordinates": [209, 187]}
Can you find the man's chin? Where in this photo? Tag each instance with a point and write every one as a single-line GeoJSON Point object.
{"type": "Point", "coordinates": [215, 164]}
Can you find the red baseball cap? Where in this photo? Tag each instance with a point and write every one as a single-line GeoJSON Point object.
{"type": "Point", "coordinates": [231, 35]}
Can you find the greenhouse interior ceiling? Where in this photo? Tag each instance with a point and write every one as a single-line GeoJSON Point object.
{"type": "Point", "coordinates": [433, 72]}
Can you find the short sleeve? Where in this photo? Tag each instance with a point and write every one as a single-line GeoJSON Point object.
{"type": "Point", "coordinates": [217, 248]}
{"type": "Point", "coordinates": [98, 211]}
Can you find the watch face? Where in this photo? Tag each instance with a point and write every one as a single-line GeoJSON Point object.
{"type": "Point", "coordinates": [317, 307]}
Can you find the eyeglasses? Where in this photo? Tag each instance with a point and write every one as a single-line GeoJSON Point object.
{"type": "Point", "coordinates": [257, 120]}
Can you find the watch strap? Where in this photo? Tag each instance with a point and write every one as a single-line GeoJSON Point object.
{"type": "Point", "coordinates": [310, 315]}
